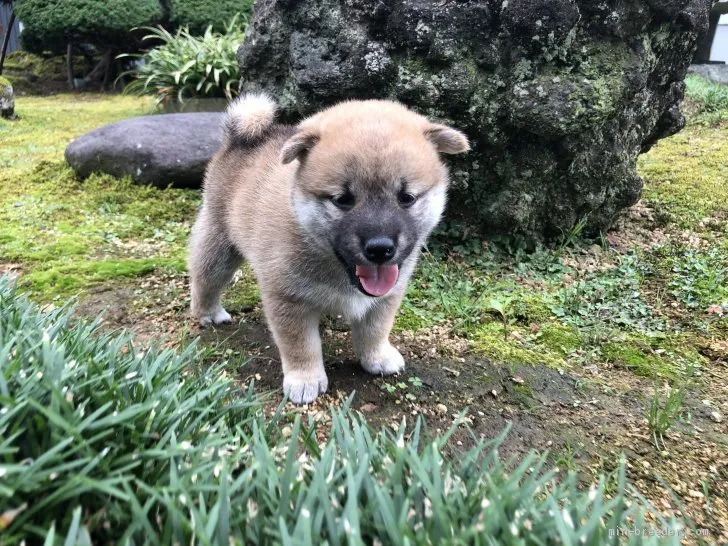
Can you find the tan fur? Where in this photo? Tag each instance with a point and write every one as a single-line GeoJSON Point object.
{"type": "Point", "coordinates": [266, 199]}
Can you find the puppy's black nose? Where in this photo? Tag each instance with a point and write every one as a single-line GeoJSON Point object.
{"type": "Point", "coordinates": [379, 249]}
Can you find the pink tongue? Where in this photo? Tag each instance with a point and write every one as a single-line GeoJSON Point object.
{"type": "Point", "coordinates": [377, 280]}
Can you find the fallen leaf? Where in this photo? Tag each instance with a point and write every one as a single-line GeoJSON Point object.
{"type": "Point", "coordinates": [7, 517]}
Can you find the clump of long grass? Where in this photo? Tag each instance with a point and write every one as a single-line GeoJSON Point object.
{"type": "Point", "coordinates": [707, 100]}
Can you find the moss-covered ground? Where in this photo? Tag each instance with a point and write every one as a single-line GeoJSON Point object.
{"type": "Point", "coordinates": [580, 346]}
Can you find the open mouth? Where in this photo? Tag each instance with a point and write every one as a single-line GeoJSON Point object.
{"type": "Point", "coordinates": [377, 280]}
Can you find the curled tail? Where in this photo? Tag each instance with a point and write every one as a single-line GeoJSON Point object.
{"type": "Point", "coordinates": [248, 118]}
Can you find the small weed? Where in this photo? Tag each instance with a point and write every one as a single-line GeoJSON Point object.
{"type": "Point", "coordinates": [662, 415]}
{"type": "Point", "coordinates": [404, 388]}
{"type": "Point", "coordinates": [567, 458]}
{"type": "Point", "coordinates": [501, 307]}
{"type": "Point", "coordinates": [574, 235]}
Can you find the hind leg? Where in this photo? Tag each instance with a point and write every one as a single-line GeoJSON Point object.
{"type": "Point", "coordinates": [212, 262]}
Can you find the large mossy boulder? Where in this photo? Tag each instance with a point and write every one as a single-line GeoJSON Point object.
{"type": "Point", "coordinates": [558, 96]}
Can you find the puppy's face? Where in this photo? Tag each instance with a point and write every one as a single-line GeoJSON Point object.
{"type": "Point", "coordinates": [370, 186]}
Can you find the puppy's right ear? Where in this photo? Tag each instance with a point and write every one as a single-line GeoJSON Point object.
{"type": "Point", "coordinates": [446, 139]}
{"type": "Point", "coordinates": [298, 145]}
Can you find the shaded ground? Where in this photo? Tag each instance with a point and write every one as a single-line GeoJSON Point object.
{"type": "Point", "coordinates": [569, 345]}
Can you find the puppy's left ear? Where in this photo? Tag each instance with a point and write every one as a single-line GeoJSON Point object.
{"type": "Point", "coordinates": [298, 145]}
{"type": "Point", "coordinates": [446, 139]}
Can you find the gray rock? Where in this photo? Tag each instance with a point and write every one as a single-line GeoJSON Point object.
{"type": "Point", "coordinates": [559, 97]}
{"type": "Point", "coordinates": [7, 99]}
{"type": "Point", "coordinates": [158, 150]}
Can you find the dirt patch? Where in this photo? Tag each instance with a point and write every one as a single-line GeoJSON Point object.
{"type": "Point", "coordinates": [112, 305]}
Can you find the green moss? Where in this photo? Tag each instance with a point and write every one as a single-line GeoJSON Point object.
{"type": "Point", "coordinates": [59, 247]}
{"type": "Point", "coordinates": [4, 83]}
{"type": "Point", "coordinates": [34, 74]}
{"type": "Point", "coordinates": [48, 124]}
{"type": "Point", "coordinates": [489, 341]}
{"type": "Point", "coordinates": [244, 294]}
{"type": "Point", "coordinates": [529, 307]}
{"type": "Point", "coordinates": [69, 234]}
{"type": "Point", "coordinates": [67, 280]}
{"type": "Point", "coordinates": [636, 359]}
{"type": "Point", "coordinates": [523, 395]}
{"type": "Point", "coordinates": [559, 339]}
{"type": "Point", "coordinates": [666, 357]}
{"type": "Point", "coordinates": [685, 175]}
{"type": "Point", "coordinates": [408, 319]}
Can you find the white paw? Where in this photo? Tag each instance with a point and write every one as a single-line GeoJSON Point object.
{"type": "Point", "coordinates": [385, 361]}
{"type": "Point", "coordinates": [215, 317]}
{"type": "Point", "coordinates": [304, 388]}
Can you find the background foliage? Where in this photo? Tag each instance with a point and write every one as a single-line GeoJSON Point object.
{"type": "Point", "coordinates": [197, 15]}
{"type": "Point", "coordinates": [49, 25]}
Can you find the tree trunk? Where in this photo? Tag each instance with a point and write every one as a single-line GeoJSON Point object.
{"type": "Point", "coordinates": [100, 68]}
{"type": "Point", "coordinates": [108, 61]}
{"type": "Point", "coordinates": [69, 67]}
{"type": "Point", "coordinates": [6, 40]}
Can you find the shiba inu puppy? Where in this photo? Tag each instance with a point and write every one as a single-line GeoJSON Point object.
{"type": "Point", "coordinates": [331, 214]}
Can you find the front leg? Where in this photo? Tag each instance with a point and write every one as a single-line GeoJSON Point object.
{"type": "Point", "coordinates": [370, 335]}
{"type": "Point", "coordinates": [295, 328]}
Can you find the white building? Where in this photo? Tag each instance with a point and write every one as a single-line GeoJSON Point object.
{"type": "Point", "coordinates": [719, 51]}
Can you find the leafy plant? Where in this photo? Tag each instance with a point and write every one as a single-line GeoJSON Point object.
{"type": "Point", "coordinates": [610, 296]}
{"type": "Point", "coordinates": [711, 96]}
{"type": "Point", "coordinates": [186, 66]}
{"type": "Point", "coordinates": [102, 442]}
{"type": "Point", "coordinates": [700, 277]}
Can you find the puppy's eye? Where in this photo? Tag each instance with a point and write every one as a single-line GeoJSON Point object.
{"type": "Point", "coordinates": [345, 201]}
{"type": "Point", "coordinates": [406, 199]}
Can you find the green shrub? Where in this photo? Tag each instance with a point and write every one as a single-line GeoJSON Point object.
{"type": "Point", "coordinates": [197, 15]}
{"type": "Point", "coordinates": [49, 25]}
{"type": "Point", "coordinates": [105, 442]}
{"type": "Point", "coordinates": [186, 66]}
